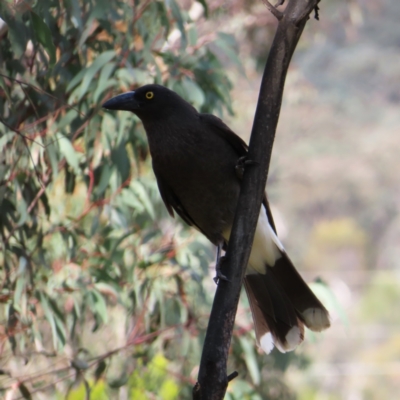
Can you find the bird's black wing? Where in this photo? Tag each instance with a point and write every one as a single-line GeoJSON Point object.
{"type": "Point", "coordinates": [223, 130]}
{"type": "Point", "coordinates": [172, 203]}
{"type": "Point", "coordinates": [238, 144]}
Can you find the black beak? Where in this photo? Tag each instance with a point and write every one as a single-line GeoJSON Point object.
{"type": "Point", "coordinates": [124, 101]}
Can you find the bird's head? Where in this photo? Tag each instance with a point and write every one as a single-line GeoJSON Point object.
{"type": "Point", "coordinates": [149, 102]}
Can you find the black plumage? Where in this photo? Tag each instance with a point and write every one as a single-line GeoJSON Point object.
{"type": "Point", "coordinates": [194, 159]}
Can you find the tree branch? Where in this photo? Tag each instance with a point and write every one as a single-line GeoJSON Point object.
{"type": "Point", "coordinates": [273, 10]}
{"type": "Point", "coordinates": [212, 379]}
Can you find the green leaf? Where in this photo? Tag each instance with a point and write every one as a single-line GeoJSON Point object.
{"type": "Point", "coordinates": [3, 171]}
{"type": "Point", "coordinates": [87, 389]}
{"type": "Point", "coordinates": [69, 152]}
{"type": "Point", "coordinates": [250, 359]}
{"type": "Point", "coordinates": [192, 36]}
{"type": "Point", "coordinates": [132, 76]}
{"type": "Point", "coordinates": [55, 321]}
{"type": "Point", "coordinates": [54, 307]}
{"type": "Point", "coordinates": [26, 394]}
{"type": "Point", "coordinates": [50, 317]}
{"type": "Point", "coordinates": [124, 121]}
{"type": "Point", "coordinates": [193, 93]}
{"type": "Point", "coordinates": [90, 72]}
{"type": "Point", "coordinates": [60, 332]}
{"type": "Point", "coordinates": [140, 191]}
{"type": "Point", "coordinates": [44, 36]}
{"type": "Point", "coordinates": [108, 128]}
{"type": "Point", "coordinates": [106, 289]}
{"type": "Point", "coordinates": [100, 369]}
{"type": "Point", "coordinates": [17, 33]}
{"type": "Point", "coordinates": [120, 159]}
{"type": "Point", "coordinates": [173, 312]}
{"type": "Point", "coordinates": [105, 175]}
{"type": "Point", "coordinates": [45, 201]}
{"type": "Point", "coordinates": [176, 12]}
{"type": "Point", "coordinates": [22, 280]}
{"type": "Point", "coordinates": [69, 181]}
{"type": "Point", "coordinates": [169, 390]}
{"type": "Point", "coordinates": [163, 15]}
{"type": "Point", "coordinates": [75, 12]}
{"type": "Point", "coordinates": [227, 44]}
{"type": "Point", "coordinates": [52, 153]}
{"type": "Point", "coordinates": [4, 139]}
{"type": "Point", "coordinates": [22, 209]}
{"type": "Point", "coordinates": [68, 119]}
{"type": "Point", "coordinates": [76, 79]}
{"type": "Point", "coordinates": [117, 383]}
{"type": "Point", "coordinates": [104, 81]}
{"type": "Point", "coordinates": [86, 75]}
{"type": "Point", "coordinates": [100, 306]}
{"type": "Point", "coordinates": [79, 364]}
{"type": "Point", "coordinates": [130, 199]}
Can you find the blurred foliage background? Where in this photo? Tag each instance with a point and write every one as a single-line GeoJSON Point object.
{"type": "Point", "coordinates": [102, 293]}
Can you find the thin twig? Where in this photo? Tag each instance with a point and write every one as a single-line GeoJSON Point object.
{"type": "Point", "coordinates": [19, 133]}
{"type": "Point", "coordinates": [38, 194]}
{"type": "Point", "coordinates": [273, 10]}
{"type": "Point", "coordinates": [29, 99]}
{"type": "Point", "coordinates": [40, 90]}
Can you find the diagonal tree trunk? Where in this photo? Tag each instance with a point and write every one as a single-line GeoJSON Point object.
{"type": "Point", "coordinates": [213, 378]}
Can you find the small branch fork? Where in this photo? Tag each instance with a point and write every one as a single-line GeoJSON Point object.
{"type": "Point", "coordinates": [279, 14]}
{"type": "Point", "coordinates": [213, 378]}
{"type": "Point", "coordinates": [273, 9]}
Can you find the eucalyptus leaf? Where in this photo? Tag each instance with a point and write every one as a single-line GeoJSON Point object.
{"type": "Point", "coordinates": [26, 394]}
{"type": "Point", "coordinates": [44, 36]}
{"type": "Point", "coordinates": [50, 317]}
{"type": "Point", "coordinates": [248, 353]}
{"type": "Point", "coordinates": [140, 191]}
{"type": "Point", "coordinates": [99, 303]}
{"type": "Point", "coordinates": [18, 33]}
{"type": "Point", "coordinates": [22, 280]}
{"type": "Point", "coordinates": [67, 149]}
{"type": "Point", "coordinates": [100, 61]}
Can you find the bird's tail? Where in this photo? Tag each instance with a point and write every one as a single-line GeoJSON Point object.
{"type": "Point", "coordinates": [281, 304]}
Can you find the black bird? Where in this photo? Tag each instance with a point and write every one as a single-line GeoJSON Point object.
{"type": "Point", "coordinates": [195, 158]}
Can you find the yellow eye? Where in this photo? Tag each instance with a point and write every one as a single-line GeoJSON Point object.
{"type": "Point", "coordinates": [149, 95]}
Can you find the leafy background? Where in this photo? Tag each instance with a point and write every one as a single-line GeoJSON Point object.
{"type": "Point", "coordinates": [102, 293]}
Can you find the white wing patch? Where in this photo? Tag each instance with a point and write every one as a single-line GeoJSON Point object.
{"type": "Point", "coordinates": [267, 248]}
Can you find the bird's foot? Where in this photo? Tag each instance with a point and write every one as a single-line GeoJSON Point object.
{"type": "Point", "coordinates": [241, 165]}
{"type": "Point", "coordinates": [219, 276]}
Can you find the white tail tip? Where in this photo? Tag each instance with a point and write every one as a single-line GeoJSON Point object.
{"type": "Point", "coordinates": [293, 338]}
{"type": "Point", "coordinates": [316, 319]}
{"type": "Point", "coordinates": [267, 343]}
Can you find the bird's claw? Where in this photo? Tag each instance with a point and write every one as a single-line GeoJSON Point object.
{"type": "Point", "coordinates": [219, 276]}
{"type": "Point", "coordinates": [241, 163]}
